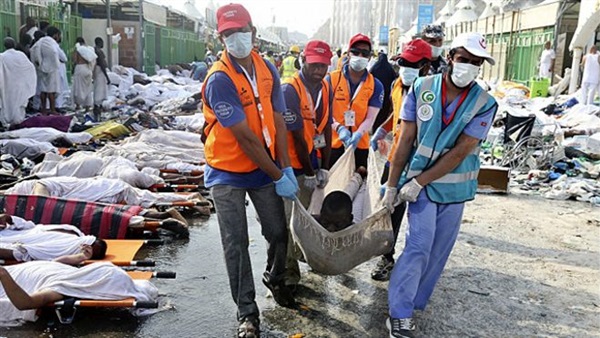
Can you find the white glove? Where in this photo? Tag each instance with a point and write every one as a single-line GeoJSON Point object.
{"type": "Point", "coordinates": [310, 182]}
{"type": "Point", "coordinates": [389, 198]}
{"type": "Point", "coordinates": [322, 178]}
{"type": "Point", "coordinates": [410, 191]}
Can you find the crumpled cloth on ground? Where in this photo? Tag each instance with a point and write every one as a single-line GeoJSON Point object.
{"type": "Point", "coordinates": [26, 148]}
{"type": "Point", "coordinates": [99, 281]}
{"type": "Point", "coordinates": [60, 123]}
{"type": "Point", "coordinates": [46, 135]}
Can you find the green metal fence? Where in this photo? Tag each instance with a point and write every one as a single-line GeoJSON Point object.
{"type": "Point", "coordinates": [8, 20]}
{"type": "Point", "coordinates": [525, 56]}
{"type": "Point", "coordinates": [167, 46]}
{"type": "Point", "coordinates": [149, 48]}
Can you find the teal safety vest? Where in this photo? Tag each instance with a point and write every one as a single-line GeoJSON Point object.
{"type": "Point", "coordinates": [433, 140]}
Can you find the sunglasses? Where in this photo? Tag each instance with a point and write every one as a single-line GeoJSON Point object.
{"type": "Point", "coordinates": [461, 59]}
{"type": "Point", "coordinates": [364, 52]}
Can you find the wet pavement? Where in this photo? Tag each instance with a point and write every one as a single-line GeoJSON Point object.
{"type": "Point", "coordinates": [199, 303]}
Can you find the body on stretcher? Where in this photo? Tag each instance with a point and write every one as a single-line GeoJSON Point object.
{"type": "Point", "coordinates": [66, 309]}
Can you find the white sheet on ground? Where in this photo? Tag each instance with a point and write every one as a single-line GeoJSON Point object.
{"type": "Point", "coordinates": [98, 189]}
{"type": "Point", "coordinates": [25, 148]}
{"type": "Point", "coordinates": [98, 281]}
{"type": "Point", "coordinates": [18, 80]}
{"type": "Point", "coordinates": [46, 134]}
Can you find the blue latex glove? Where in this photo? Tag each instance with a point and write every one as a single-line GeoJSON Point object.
{"type": "Point", "coordinates": [285, 188]}
{"type": "Point", "coordinates": [379, 134]}
{"type": "Point", "coordinates": [289, 173]}
{"type": "Point", "coordinates": [354, 140]}
{"type": "Point", "coordinates": [344, 135]}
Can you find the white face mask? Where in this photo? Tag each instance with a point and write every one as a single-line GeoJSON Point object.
{"type": "Point", "coordinates": [408, 75]}
{"type": "Point", "coordinates": [436, 51]}
{"type": "Point", "coordinates": [239, 44]}
{"type": "Point", "coordinates": [464, 73]}
{"type": "Point", "coordinates": [358, 63]}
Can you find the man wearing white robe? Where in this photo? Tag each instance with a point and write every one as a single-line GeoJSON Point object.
{"type": "Point", "coordinates": [18, 81]}
{"type": "Point", "coordinates": [101, 80]}
{"type": "Point", "coordinates": [45, 57]}
{"type": "Point", "coordinates": [84, 58]}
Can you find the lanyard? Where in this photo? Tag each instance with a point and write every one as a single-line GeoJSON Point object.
{"type": "Point", "coordinates": [252, 81]}
{"type": "Point", "coordinates": [355, 92]}
{"type": "Point", "coordinates": [313, 108]}
{"type": "Point", "coordinates": [463, 97]}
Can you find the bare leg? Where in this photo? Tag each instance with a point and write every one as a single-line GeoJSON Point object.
{"type": "Point", "coordinates": [40, 190]}
{"type": "Point", "coordinates": [43, 97]}
{"type": "Point", "coordinates": [6, 254]}
{"type": "Point", "coordinates": [52, 98]}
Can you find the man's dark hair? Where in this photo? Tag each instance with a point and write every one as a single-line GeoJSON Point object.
{"type": "Point", "coordinates": [270, 53]}
{"type": "Point", "coordinates": [99, 249]}
{"type": "Point", "coordinates": [336, 211]}
{"type": "Point", "coordinates": [26, 39]}
{"type": "Point", "coordinates": [80, 40]}
{"type": "Point", "coordinates": [98, 41]}
{"type": "Point", "coordinates": [52, 31]}
{"type": "Point", "coordinates": [10, 43]}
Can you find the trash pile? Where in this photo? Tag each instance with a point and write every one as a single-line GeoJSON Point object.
{"type": "Point", "coordinates": [552, 145]}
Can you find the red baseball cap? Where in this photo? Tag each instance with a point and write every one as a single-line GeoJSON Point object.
{"type": "Point", "coordinates": [232, 16]}
{"type": "Point", "coordinates": [360, 38]}
{"type": "Point", "coordinates": [416, 50]}
{"type": "Point", "coordinates": [317, 51]}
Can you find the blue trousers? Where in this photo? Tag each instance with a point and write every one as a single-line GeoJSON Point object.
{"type": "Point", "coordinates": [431, 234]}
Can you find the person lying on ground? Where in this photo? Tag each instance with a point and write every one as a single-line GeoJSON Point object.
{"type": "Point", "coordinates": [336, 211]}
{"type": "Point", "coordinates": [23, 241]}
{"type": "Point", "coordinates": [99, 189]}
{"type": "Point", "coordinates": [32, 285]}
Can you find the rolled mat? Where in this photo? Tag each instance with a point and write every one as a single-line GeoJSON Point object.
{"type": "Point", "coordinates": [106, 221]}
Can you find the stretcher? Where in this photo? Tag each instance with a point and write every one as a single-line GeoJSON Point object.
{"type": "Point", "coordinates": [122, 252]}
{"type": "Point", "coordinates": [66, 309]}
{"type": "Point", "coordinates": [106, 221]}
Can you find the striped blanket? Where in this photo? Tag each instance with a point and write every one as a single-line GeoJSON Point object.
{"type": "Point", "coordinates": [107, 221]}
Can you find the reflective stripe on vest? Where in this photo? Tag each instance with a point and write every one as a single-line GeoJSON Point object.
{"type": "Point", "coordinates": [221, 149]}
{"type": "Point", "coordinates": [308, 117]}
{"type": "Point", "coordinates": [433, 140]}
{"type": "Point", "coordinates": [341, 102]}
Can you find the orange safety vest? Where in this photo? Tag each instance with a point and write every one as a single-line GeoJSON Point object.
{"type": "Point", "coordinates": [221, 148]}
{"type": "Point", "coordinates": [396, 106]}
{"type": "Point", "coordinates": [341, 103]}
{"type": "Point", "coordinates": [309, 115]}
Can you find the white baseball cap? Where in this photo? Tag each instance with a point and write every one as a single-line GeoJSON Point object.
{"type": "Point", "coordinates": [475, 44]}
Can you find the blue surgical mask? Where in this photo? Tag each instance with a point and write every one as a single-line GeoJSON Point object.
{"type": "Point", "coordinates": [239, 44]}
{"type": "Point", "coordinates": [408, 75]}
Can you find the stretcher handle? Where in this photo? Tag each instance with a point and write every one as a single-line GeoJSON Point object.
{"type": "Point", "coordinates": [144, 263]}
{"type": "Point", "coordinates": [175, 171]}
{"type": "Point", "coordinates": [174, 186]}
{"type": "Point", "coordinates": [154, 242]}
{"type": "Point", "coordinates": [146, 305]}
{"type": "Point", "coordinates": [165, 274]}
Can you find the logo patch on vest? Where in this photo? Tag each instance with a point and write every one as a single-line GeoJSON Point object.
{"type": "Point", "coordinates": [425, 112]}
{"type": "Point", "coordinates": [428, 96]}
{"type": "Point", "coordinates": [223, 110]}
{"type": "Point", "coordinates": [289, 117]}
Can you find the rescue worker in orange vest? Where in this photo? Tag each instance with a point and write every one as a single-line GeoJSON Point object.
{"type": "Point", "coordinates": [357, 97]}
{"type": "Point", "coordinates": [245, 143]}
{"type": "Point", "coordinates": [308, 121]}
{"type": "Point", "coordinates": [414, 62]}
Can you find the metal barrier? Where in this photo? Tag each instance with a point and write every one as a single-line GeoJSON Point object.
{"type": "Point", "coordinates": [166, 46]}
{"type": "Point", "coordinates": [8, 20]}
